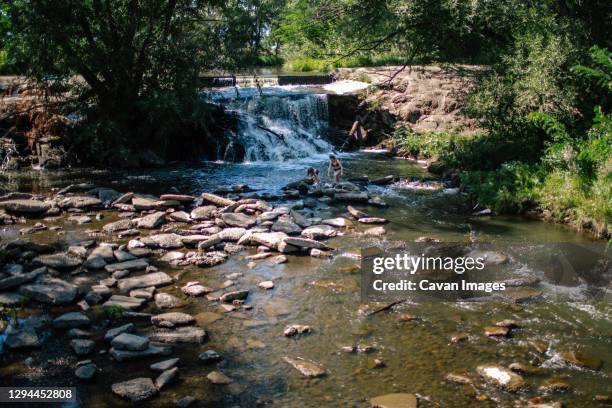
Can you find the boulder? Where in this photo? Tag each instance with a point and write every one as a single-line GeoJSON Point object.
{"type": "Point", "coordinates": [151, 221]}
{"type": "Point", "coordinates": [339, 222]}
{"type": "Point", "coordinates": [112, 333]}
{"type": "Point", "coordinates": [165, 241]}
{"type": "Point", "coordinates": [172, 319]}
{"type": "Point", "coordinates": [203, 213]}
{"type": "Point", "coordinates": [103, 251]}
{"type": "Point", "coordinates": [60, 260]}
{"type": "Point", "coordinates": [24, 207]}
{"type": "Point", "coordinates": [167, 377]}
{"type": "Point", "coordinates": [144, 203]}
{"type": "Point", "coordinates": [121, 225]}
{"type": "Point", "coordinates": [238, 220]}
{"type": "Point", "coordinates": [137, 264]}
{"type": "Point", "coordinates": [50, 290]}
{"type": "Point", "coordinates": [136, 390]}
{"type": "Point", "coordinates": [130, 342]}
{"type": "Point", "coordinates": [305, 243]}
{"type": "Point", "coordinates": [195, 289]}
{"type": "Point", "coordinates": [164, 365]}
{"type": "Point", "coordinates": [286, 225]}
{"type": "Point", "coordinates": [355, 213]}
{"type": "Point", "coordinates": [319, 232]}
{"type": "Point", "coordinates": [71, 320]}
{"type": "Point", "coordinates": [22, 339]}
{"type": "Point", "coordinates": [79, 202]}
{"type": "Point", "coordinates": [86, 371]}
{"type": "Point", "coordinates": [82, 347]}
{"type": "Point", "coordinates": [154, 279]}
{"type": "Point", "coordinates": [167, 301]}
{"type": "Point", "coordinates": [125, 302]}
{"type": "Point", "coordinates": [179, 216]}
{"type": "Point", "coordinates": [209, 357]}
{"type": "Point", "coordinates": [19, 279]}
{"type": "Point", "coordinates": [269, 239]}
{"type": "Point", "coordinates": [177, 197]}
{"type": "Point", "coordinates": [501, 377]}
{"type": "Point", "coordinates": [217, 200]}
{"type": "Point", "coordinates": [229, 297]}
{"type": "Point", "coordinates": [152, 351]}
{"type": "Point", "coordinates": [306, 368]}
{"type": "Point", "coordinates": [217, 377]}
{"type": "Point", "coordinates": [192, 335]}
{"type": "Point", "coordinates": [124, 199]}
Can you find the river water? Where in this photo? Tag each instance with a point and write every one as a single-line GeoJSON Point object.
{"type": "Point", "coordinates": [572, 315]}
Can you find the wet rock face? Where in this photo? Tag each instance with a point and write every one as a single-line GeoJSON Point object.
{"type": "Point", "coordinates": [306, 368]}
{"type": "Point", "coordinates": [50, 290]}
{"type": "Point", "coordinates": [501, 377]}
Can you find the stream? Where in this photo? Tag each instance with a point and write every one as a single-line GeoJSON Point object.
{"type": "Point", "coordinates": [573, 312]}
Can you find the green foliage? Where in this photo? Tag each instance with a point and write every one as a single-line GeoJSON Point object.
{"type": "Point", "coordinates": [114, 312]}
{"type": "Point", "coordinates": [423, 145]}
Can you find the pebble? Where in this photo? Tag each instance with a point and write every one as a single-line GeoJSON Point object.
{"type": "Point", "coordinates": [217, 377]}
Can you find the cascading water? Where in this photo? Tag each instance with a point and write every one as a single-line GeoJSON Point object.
{"type": "Point", "coordinates": [274, 124]}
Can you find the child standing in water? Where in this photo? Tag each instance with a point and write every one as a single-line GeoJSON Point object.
{"type": "Point", "coordinates": [312, 175]}
{"type": "Point", "coordinates": [335, 167]}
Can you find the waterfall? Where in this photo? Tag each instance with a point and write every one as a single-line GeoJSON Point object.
{"type": "Point", "coordinates": [277, 124]}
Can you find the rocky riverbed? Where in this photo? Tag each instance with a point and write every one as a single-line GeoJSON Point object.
{"type": "Point", "coordinates": [233, 297]}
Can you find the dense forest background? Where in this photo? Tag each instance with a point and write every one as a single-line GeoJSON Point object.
{"type": "Point", "coordinates": [544, 98]}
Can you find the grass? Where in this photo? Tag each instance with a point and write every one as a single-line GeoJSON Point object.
{"type": "Point", "coordinates": [562, 193]}
{"type": "Point", "coordinates": [309, 64]}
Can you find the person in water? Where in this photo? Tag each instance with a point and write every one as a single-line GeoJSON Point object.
{"type": "Point", "coordinates": [335, 168]}
{"type": "Point", "coordinates": [312, 175]}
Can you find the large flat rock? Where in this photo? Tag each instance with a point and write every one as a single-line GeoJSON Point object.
{"type": "Point", "coordinates": [155, 279]}
{"type": "Point", "coordinates": [136, 390]}
{"type": "Point", "coordinates": [191, 335]}
{"type": "Point", "coordinates": [125, 302]}
{"type": "Point", "coordinates": [60, 260]}
{"type": "Point", "coordinates": [24, 207]}
{"type": "Point", "coordinates": [152, 351]}
{"type": "Point", "coordinates": [138, 264]}
{"type": "Point", "coordinates": [50, 290]}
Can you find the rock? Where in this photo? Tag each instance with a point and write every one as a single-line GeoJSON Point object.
{"type": "Point", "coordinates": [238, 220]}
{"type": "Point", "coordinates": [229, 297]}
{"type": "Point", "coordinates": [300, 219]}
{"type": "Point", "coordinates": [521, 294]}
{"type": "Point", "coordinates": [375, 232]}
{"type": "Point", "coordinates": [280, 259]}
{"type": "Point", "coordinates": [217, 200]}
{"type": "Point", "coordinates": [286, 225]}
{"type": "Point", "coordinates": [182, 198]}
{"type": "Point", "coordinates": [167, 301]}
{"type": "Point", "coordinates": [266, 285]}
{"type": "Point", "coordinates": [377, 202]}
{"type": "Point", "coordinates": [164, 365]}
{"type": "Point", "coordinates": [112, 333]}
{"type": "Point", "coordinates": [458, 378]}
{"type": "Point", "coordinates": [58, 261]}
{"type": "Point", "coordinates": [554, 385]}
{"type": "Point", "coordinates": [143, 293]}
{"type": "Point", "coordinates": [286, 248]}
{"type": "Point", "coordinates": [79, 202]}
{"type": "Point", "coordinates": [144, 203]}
{"type": "Point", "coordinates": [179, 216]}
{"type": "Point", "coordinates": [490, 257]}
{"type": "Point", "coordinates": [166, 378]}
{"type": "Point", "coordinates": [209, 259]}
{"type": "Point", "coordinates": [117, 226]}
{"type": "Point", "coordinates": [306, 368]}
{"type": "Point", "coordinates": [71, 320]}
{"type": "Point", "coordinates": [191, 335]}
{"type": "Point", "coordinates": [209, 357]}
{"type": "Point", "coordinates": [137, 264]}
{"type": "Point", "coordinates": [203, 213]}
{"type": "Point", "coordinates": [501, 377]}
{"type": "Point", "coordinates": [79, 219]}
{"type": "Point", "coordinates": [173, 256]}
{"type": "Point", "coordinates": [296, 329]}
{"type": "Point", "coordinates": [217, 377]}
{"type": "Point", "coordinates": [122, 256]}
{"type": "Point", "coordinates": [103, 251]}
{"type": "Point", "coordinates": [356, 197]}
{"type": "Point", "coordinates": [172, 319]}
{"type": "Point", "coordinates": [130, 342]}
{"type": "Point", "coordinates": [581, 359]}
{"type": "Point", "coordinates": [165, 241]}
{"type": "Point", "coordinates": [124, 199]}
{"type": "Point", "coordinates": [50, 290]}
{"type": "Point", "coordinates": [151, 221]}
{"type": "Point", "coordinates": [136, 390]}
{"type": "Point", "coordinates": [305, 243]}
{"type": "Point", "coordinates": [373, 220]}
{"type": "Point", "coordinates": [337, 222]}
{"type": "Point", "coordinates": [482, 213]}
{"type": "Point", "coordinates": [82, 347]}
{"type": "Point", "coordinates": [494, 331]}
{"type": "Point", "coordinates": [193, 240]}
{"type": "Point", "coordinates": [19, 279]}
{"type": "Point", "coordinates": [152, 351]}
{"type": "Point", "coordinates": [22, 339]}
{"type": "Point", "coordinates": [195, 289]}
{"type": "Point", "coordinates": [86, 372]}
{"type": "Point", "coordinates": [125, 302]}
{"type": "Point", "coordinates": [269, 239]}
{"type": "Point", "coordinates": [317, 253]}
{"type": "Point", "coordinates": [319, 232]}
{"type": "Point", "coordinates": [525, 369]}
{"type": "Point", "coordinates": [155, 279]}
{"type": "Point", "coordinates": [24, 207]}
{"type": "Point", "coordinates": [396, 400]}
